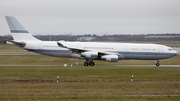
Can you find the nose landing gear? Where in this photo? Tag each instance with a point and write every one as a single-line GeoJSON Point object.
{"type": "Point", "coordinates": [157, 64]}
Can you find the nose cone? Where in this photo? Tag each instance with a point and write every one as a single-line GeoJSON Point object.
{"type": "Point", "coordinates": [175, 53]}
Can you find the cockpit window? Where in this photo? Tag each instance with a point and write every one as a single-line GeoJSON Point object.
{"type": "Point", "coordinates": [170, 49]}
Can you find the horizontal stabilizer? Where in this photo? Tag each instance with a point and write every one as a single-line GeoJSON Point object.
{"type": "Point", "coordinates": [21, 44]}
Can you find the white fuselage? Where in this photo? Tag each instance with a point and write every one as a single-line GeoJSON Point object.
{"type": "Point", "coordinates": [125, 50]}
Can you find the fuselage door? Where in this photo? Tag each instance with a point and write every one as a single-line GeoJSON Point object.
{"type": "Point", "coordinates": [78, 45]}
{"type": "Point", "coordinates": [40, 45]}
{"type": "Point", "coordinates": [160, 49]}
{"type": "Point", "coordinates": [125, 49]}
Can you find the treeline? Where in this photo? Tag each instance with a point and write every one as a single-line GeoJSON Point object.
{"type": "Point", "coordinates": [148, 37]}
{"type": "Point", "coordinates": [143, 37]}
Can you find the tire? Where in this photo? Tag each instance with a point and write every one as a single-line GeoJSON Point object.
{"type": "Point", "coordinates": [86, 64]}
{"type": "Point", "coordinates": [92, 64]}
{"type": "Point", "coordinates": [157, 64]}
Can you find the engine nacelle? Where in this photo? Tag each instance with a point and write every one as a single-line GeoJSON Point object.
{"type": "Point", "coordinates": [89, 54]}
{"type": "Point", "coordinates": [110, 58]}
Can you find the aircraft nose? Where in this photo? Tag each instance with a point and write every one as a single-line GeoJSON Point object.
{"type": "Point", "coordinates": [175, 53]}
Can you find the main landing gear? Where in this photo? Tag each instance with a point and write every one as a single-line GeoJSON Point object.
{"type": "Point", "coordinates": [89, 62]}
{"type": "Point", "coordinates": [157, 64]}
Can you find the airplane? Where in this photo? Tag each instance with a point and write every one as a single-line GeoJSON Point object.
{"type": "Point", "coordinates": [89, 51]}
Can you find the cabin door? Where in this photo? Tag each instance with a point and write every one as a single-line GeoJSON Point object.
{"type": "Point", "coordinates": [125, 49]}
{"type": "Point", "coordinates": [40, 45]}
{"type": "Point", "coordinates": [78, 45]}
{"type": "Point", "coordinates": [160, 49]}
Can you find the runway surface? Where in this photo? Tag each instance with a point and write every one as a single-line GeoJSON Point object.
{"type": "Point", "coordinates": [31, 65]}
{"type": "Point", "coordinates": [103, 65]}
{"type": "Point", "coordinates": [142, 65]}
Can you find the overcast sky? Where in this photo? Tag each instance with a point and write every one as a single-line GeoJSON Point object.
{"type": "Point", "coordinates": [93, 16]}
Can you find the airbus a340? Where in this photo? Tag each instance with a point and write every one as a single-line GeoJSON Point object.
{"type": "Point", "coordinates": [89, 51]}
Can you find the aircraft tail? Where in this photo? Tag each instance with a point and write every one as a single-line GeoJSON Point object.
{"type": "Point", "coordinates": [17, 30]}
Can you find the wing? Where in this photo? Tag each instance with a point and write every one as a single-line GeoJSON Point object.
{"type": "Point", "coordinates": [74, 50]}
{"type": "Point", "coordinates": [80, 50]}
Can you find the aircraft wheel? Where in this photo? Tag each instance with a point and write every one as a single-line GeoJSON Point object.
{"type": "Point", "coordinates": [92, 64]}
{"type": "Point", "coordinates": [157, 64]}
{"type": "Point", "coordinates": [86, 64]}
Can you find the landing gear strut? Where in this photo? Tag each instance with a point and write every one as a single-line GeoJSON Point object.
{"type": "Point", "coordinates": [89, 62]}
{"type": "Point", "coordinates": [157, 64]}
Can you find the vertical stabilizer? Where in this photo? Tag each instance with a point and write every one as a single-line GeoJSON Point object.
{"type": "Point", "coordinates": [17, 30]}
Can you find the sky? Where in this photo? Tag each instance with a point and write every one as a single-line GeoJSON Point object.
{"type": "Point", "coordinates": [55, 17]}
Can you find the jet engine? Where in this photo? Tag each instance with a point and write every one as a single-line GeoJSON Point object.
{"type": "Point", "coordinates": [110, 58]}
{"type": "Point", "coordinates": [89, 54]}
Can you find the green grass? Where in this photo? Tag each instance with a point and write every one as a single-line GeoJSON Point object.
{"type": "Point", "coordinates": [88, 83]}
{"type": "Point", "coordinates": [81, 73]}
{"type": "Point", "coordinates": [116, 98]}
{"type": "Point", "coordinates": [9, 47]}
{"type": "Point", "coordinates": [90, 90]}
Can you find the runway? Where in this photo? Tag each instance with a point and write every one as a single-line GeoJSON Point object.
{"type": "Point", "coordinates": [142, 65]}
{"type": "Point", "coordinates": [68, 65]}
{"type": "Point", "coordinates": [29, 65]}
{"type": "Point", "coordinates": [17, 52]}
